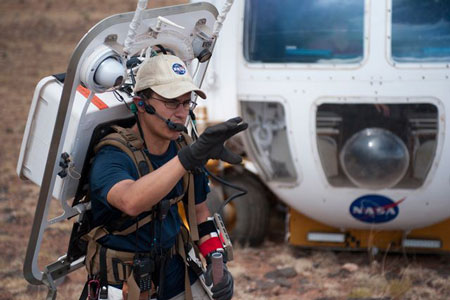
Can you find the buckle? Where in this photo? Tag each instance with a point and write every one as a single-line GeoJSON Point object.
{"type": "Point", "coordinates": [121, 270]}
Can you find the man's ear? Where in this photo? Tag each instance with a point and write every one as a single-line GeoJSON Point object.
{"type": "Point", "coordinates": [139, 102]}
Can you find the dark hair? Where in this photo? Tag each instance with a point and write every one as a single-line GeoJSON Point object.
{"type": "Point", "coordinates": [146, 93]}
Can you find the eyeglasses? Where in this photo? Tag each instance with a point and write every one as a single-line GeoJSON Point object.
{"type": "Point", "coordinates": [173, 104]}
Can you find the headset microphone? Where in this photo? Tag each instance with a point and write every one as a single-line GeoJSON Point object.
{"type": "Point", "coordinates": [172, 125]}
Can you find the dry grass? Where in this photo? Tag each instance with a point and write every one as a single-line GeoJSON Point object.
{"type": "Point", "coordinates": [36, 39]}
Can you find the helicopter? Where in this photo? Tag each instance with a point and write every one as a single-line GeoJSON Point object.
{"type": "Point", "coordinates": [346, 103]}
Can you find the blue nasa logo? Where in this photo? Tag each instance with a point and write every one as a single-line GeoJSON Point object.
{"type": "Point", "coordinates": [374, 209]}
{"type": "Point", "coordinates": [179, 69]}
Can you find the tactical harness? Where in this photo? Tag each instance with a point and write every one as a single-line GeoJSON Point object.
{"type": "Point", "coordinates": [110, 267]}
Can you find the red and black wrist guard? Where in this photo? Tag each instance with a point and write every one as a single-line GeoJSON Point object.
{"type": "Point", "coordinates": [212, 244]}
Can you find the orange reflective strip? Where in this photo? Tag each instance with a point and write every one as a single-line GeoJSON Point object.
{"type": "Point", "coordinates": [96, 100]}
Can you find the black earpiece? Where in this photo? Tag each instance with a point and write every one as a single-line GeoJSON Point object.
{"type": "Point", "coordinates": [149, 109]}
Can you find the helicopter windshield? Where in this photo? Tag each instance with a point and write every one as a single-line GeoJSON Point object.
{"type": "Point", "coordinates": [305, 31]}
{"type": "Point", "coordinates": [420, 30]}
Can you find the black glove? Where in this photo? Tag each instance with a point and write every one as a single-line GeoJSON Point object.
{"type": "Point", "coordinates": [210, 145]}
{"type": "Point", "coordinates": [224, 289]}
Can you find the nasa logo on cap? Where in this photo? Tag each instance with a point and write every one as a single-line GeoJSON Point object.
{"type": "Point", "coordinates": [374, 209]}
{"type": "Point", "coordinates": [179, 69]}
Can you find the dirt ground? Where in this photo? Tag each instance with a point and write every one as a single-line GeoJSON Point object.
{"type": "Point", "coordinates": [36, 40]}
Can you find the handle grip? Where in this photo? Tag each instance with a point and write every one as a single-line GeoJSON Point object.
{"type": "Point", "coordinates": [217, 267]}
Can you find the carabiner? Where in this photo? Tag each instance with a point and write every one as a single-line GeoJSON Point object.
{"type": "Point", "coordinates": [93, 289]}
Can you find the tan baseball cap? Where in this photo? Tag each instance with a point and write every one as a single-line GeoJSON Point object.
{"type": "Point", "coordinates": [167, 76]}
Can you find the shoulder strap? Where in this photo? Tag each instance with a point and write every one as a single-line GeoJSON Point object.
{"type": "Point", "coordinates": [131, 144]}
{"type": "Point", "coordinates": [191, 209]}
{"type": "Point", "coordinates": [188, 185]}
{"type": "Point", "coordinates": [186, 138]}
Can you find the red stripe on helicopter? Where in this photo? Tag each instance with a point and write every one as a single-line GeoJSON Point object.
{"type": "Point", "coordinates": [392, 205]}
{"type": "Point", "coordinates": [96, 100]}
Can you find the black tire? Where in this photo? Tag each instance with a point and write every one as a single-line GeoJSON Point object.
{"type": "Point", "coordinates": [251, 211]}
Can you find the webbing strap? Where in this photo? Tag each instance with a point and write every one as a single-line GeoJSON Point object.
{"type": "Point", "coordinates": [191, 210]}
{"type": "Point", "coordinates": [139, 159]}
{"type": "Point", "coordinates": [188, 179]}
{"type": "Point", "coordinates": [185, 141]}
{"type": "Point", "coordinates": [143, 221]}
{"type": "Point", "coordinates": [132, 228]}
{"type": "Point", "coordinates": [181, 251]}
{"type": "Point", "coordinates": [103, 274]}
{"type": "Point", "coordinates": [100, 231]}
{"type": "Point", "coordinates": [129, 136]}
{"type": "Point", "coordinates": [132, 145]}
{"type": "Point", "coordinates": [114, 139]}
{"type": "Point", "coordinates": [92, 248]}
{"type": "Point", "coordinates": [84, 293]}
{"type": "Point", "coordinates": [133, 289]}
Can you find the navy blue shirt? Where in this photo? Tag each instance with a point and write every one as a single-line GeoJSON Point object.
{"type": "Point", "coordinates": [111, 166]}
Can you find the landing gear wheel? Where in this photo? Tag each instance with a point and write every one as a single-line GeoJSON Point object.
{"type": "Point", "coordinates": [246, 217]}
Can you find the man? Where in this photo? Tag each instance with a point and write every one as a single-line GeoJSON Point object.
{"type": "Point", "coordinates": [163, 88]}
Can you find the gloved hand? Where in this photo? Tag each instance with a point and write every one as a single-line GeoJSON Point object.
{"type": "Point", "coordinates": [224, 289]}
{"type": "Point", "coordinates": [210, 145]}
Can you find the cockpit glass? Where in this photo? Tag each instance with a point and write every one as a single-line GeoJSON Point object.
{"type": "Point", "coordinates": [304, 31]}
{"type": "Point", "coordinates": [421, 30]}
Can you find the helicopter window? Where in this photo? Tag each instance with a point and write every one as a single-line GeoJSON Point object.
{"type": "Point", "coordinates": [377, 146]}
{"type": "Point", "coordinates": [420, 30]}
{"type": "Point", "coordinates": [268, 136]}
{"type": "Point", "coordinates": [304, 31]}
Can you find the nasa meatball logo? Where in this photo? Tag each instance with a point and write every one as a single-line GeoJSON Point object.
{"type": "Point", "coordinates": [179, 69]}
{"type": "Point", "coordinates": [374, 209]}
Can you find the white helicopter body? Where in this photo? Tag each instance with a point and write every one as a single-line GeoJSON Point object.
{"type": "Point", "coordinates": [309, 75]}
